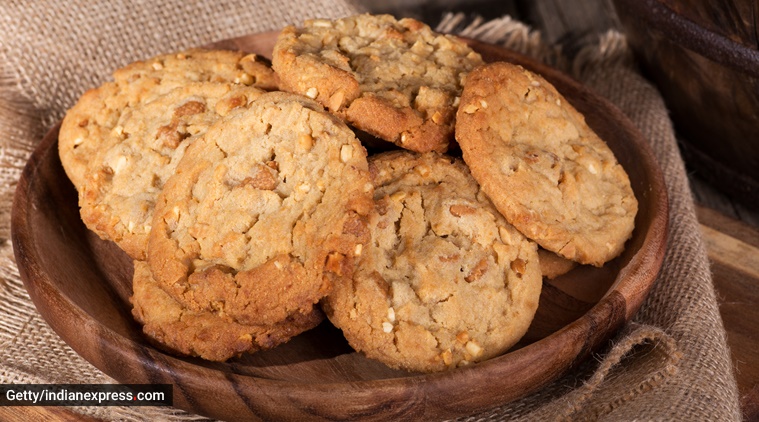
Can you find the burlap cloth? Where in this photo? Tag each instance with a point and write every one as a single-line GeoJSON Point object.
{"type": "Point", "coordinates": [671, 363]}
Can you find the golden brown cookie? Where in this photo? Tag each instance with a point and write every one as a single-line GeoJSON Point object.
{"type": "Point", "coordinates": [445, 281]}
{"type": "Point", "coordinates": [209, 335]}
{"type": "Point", "coordinates": [118, 195]}
{"type": "Point", "coordinates": [552, 265]}
{"type": "Point", "coordinates": [265, 211]}
{"type": "Point", "coordinates": [395, 79]}
{"type": "Point", "coordinates": [544, 169]}
{"type": "Point", "coordinates": [96, 116]}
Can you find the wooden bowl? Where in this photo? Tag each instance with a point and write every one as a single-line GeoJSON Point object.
{"type": "Point", "coordinates": [703, 56]}
{"type": "Point", "coordinates": [81, 285]}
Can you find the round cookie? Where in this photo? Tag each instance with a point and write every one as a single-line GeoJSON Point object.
{"type": "Point", "coordinates": [118, 194]}
{"type": "Point", "coordinates": [264, 213]}
{"type": "Point", "coordinates": [395, 79]}
{"type": "Point", "coordinates": [95, 117]}
{"type": "Point", "coordinates": [445, 281]}
{"type": "Point", "coordinates": [544, 169]}
{"type": "Point", "coordinates": [211, 336]}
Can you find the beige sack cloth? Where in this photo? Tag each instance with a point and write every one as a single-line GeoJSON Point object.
{"type": "Point", "coordinates": [671, 363]}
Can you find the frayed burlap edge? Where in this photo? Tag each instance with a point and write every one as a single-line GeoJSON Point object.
{"type": "Point", "coordinates": [645, 355]}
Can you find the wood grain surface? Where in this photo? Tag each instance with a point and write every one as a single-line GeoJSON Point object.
{"type": "Point", "coordinates": [733, 248]}
{"type": "Point", "coordinates": [735, 19]}
{"type": "Point", "coordinates": [709, 81]}
{"type": "Point", "coordinates": [81, 283]}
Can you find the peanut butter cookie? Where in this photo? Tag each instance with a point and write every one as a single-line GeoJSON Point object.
{"type": "Point", "coordinates": [544, 169]}
{"type": "Point", "coordinates": [395, 79]}
{"type": "Point", "coordinates": [445, 281]}
{"type": "Point", "coordinates": [552, 265]}
{"type": "Point", "coordinates": [96, 116]}
{"type": "Point", "coordinates": [118, 195]}
{"type": "Point", "coordinates": [209, 335]}
{"type": "Point", "coordinates": [265, 212]}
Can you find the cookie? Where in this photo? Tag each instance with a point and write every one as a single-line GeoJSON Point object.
{"type": "Point", "coordinates": [544, 169]}
{"type": "Point", "coordinates": [209, 335]}
{"type": "Point", "coordinates": [395, 79]}
{"type": "Point", "coordinates": [124, 178]}
{"type": "Point", "coordinates": [552, 265]}
{"type": "Point", "coordinates": [445, 281]}
{"type": "Point", "coordinates": [96, 116]}
{"type": "Point", "coordinates": [265, 211]}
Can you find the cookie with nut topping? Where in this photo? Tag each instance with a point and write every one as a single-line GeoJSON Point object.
{"type": "Point", "coordinates": [553, 265]}
{"type": "Point", "coordinates": [395, 79]}
{"type": "Point", "coordinates": [209, 335]}
{"type": "Point", "coordinates": [96, 116]}
{"type": "Point", "coordinates": [126, 175]}
{"type": "Point", "coordinates": [266, 211]}
{"type": "Point", "coordinates": [445, 281]}
{"type": "Point", "coordinates": [543, 167]}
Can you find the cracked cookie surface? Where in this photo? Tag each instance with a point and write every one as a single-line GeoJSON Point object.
{"type": "Point", "coordinates": [544, 169]}
{"type": "Point", "coordinates": [265, 211]}
{"type": "Point", "coordinates": [395, 79]}
{"type": "Point", "coordinates": [94, 119]}
{"type": "Point", "coordinates": [445, 281]}
{"type": "Point", "coordinates": [209, 335]}
{"type": "Point", "coordinates": [118, 194]}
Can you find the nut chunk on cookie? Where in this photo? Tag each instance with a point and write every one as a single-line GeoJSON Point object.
{"type": "Point", "coordinates": [544, 169]}
{"type": "Point", "coordinates": [209, 335]}
{"type": "Point", "coordinates": [445, 281]}
{"type": "Point", "coordinates": [264, 213]}
{"type": "Point", "coordinates": [395, 79]}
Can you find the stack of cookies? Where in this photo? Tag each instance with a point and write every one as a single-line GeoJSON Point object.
{"type": "Point", "coordinates": [252, 209]}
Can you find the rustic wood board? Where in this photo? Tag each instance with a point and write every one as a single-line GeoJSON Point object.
{"type": "Point", "coordinates": [733, 249]}
{"type": "Point", "coordinates": [42, 413]}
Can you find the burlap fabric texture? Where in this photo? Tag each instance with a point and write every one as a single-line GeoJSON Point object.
{"type": "Point", "coordinates": [671, 363]}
